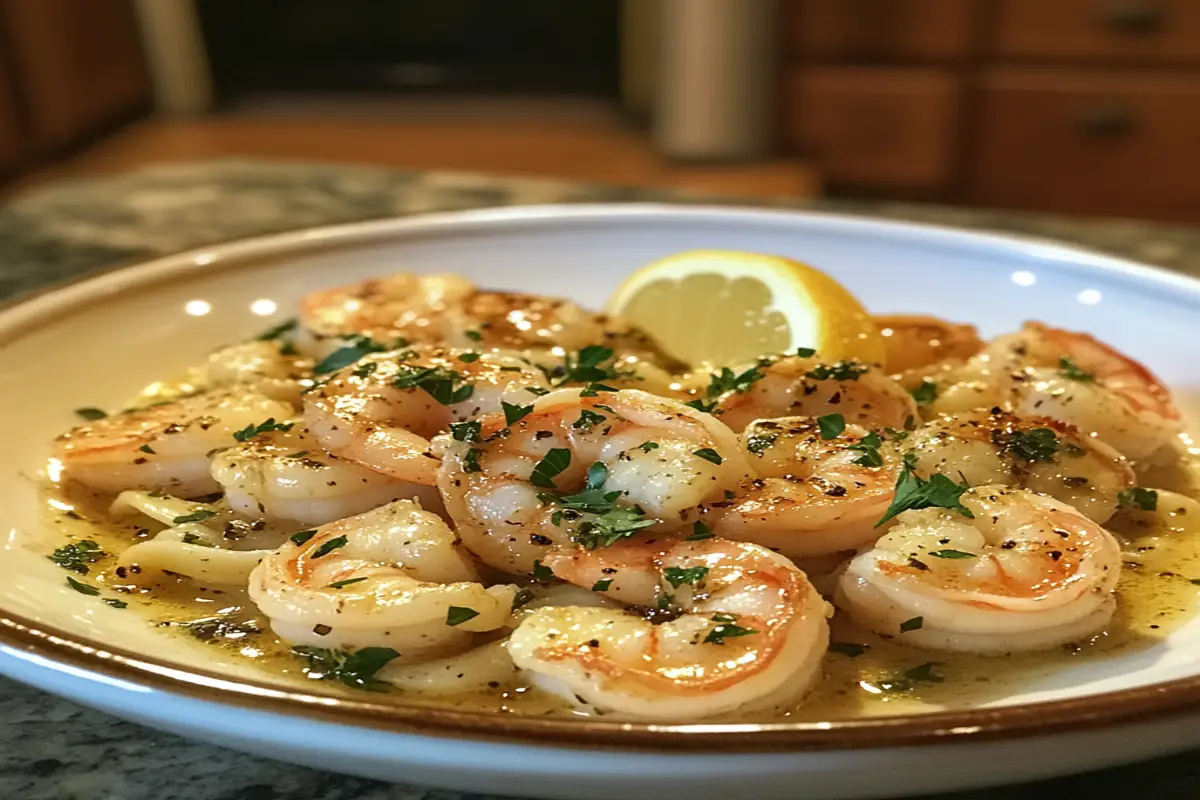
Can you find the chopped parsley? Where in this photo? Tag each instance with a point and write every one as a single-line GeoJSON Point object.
{"type": "Point", "coordinates": [592, 363]}
{"type": "Point", "coordinates": [466, 431]}
{"type": "Point", "coordinates": [443, 385]}
{"type": "Point", "coordinates": [115, 603]}
{"type": "Point", "coordinates": [952, 554]}
{"type": "Point", "coordinates": [611, 527]}
{"type": "Point", "coordinates": [723, 382]}
{"type": "Point", "coordinates": [592, 389]}
{"type": "Point", "coordinates": [923, 673]}
{"type": "Point", "coordinates": [555, 461]}
{"type": "Point", "coordinates": [250, 431]}
{"type": "Point", "coordinates": [602, 586]}
{"type": "Point", "coordinates": [147, 449]}
{"type": "Point", "coordinates": [471, 461]}
{"type": "Point", "coordinates": [276, 331]}
{"type": "Point", "coordinates": [806, 352]}
{"type": "Point", "coordinates": [593, 499]}
{"type": "Point", "coordinates": [514, 413]}
{"type": "Point", "coordinates": [848, 649]}
{"type": "Point", "coordinates": [457, 615]}
{"type": "Point", "coordinates": [82, 588]}
{"type": "Point", "coordinates": [1071, 371]}
{"type": "Point", "coordinates": [840, 371]}
{"type": "Point", "coordinates": [522, 598]}
{"type": "Point", "coordinates": [1036, 445]}
{"type": "Point", "coordinates": [759, 443]}
{"type": "Point", "coordinates": [195, 516]}
{"type": "Point", "coordinates": [725, 629]}
{"type": "Point", "coordinates": [209, 628]}
{"type": "Point", "coordinates": [700, 531]}
{"type": "Point", "coordinates": [869, 447]}
{"type": "Point", "coordinates": [1137, 497]}
{"type": "Point", "coordinates": [344, 583]}
{"type": "Point", "coordinates": [329, 546]}
{"type": "Point", "coordinates": [77, 555]}
{"type": "Point", "coordinates": [708, 454]}
{"type": "Point", "coordinates": [678, 576]}
{"type": "Point", "coordinates": [356, 670]}
{"type": "Point", "coordinates": [913, 624]}
{"type": "Point", "coordinates": [90, 414]}
{"type": "Point", "coordinates": [301, 537]}
{"type": "Point", "coordinates": [468, 358]}
{"type": "Point", "coordinates": [474, 336]}
{"type": "Point", "coordinates": [365, 370]}
{"type": "Point", "coordinates": [541, 572]}
{"type": "Point", "coordinates": [646, 447]}
{"type": "Point", "coordinates": [356, 347]}
{"type": "Point", "coordinates": [588, 420]}
{"type": "Point", "coordinates": [831, 426]}
{"type": "Point", "coordinates": [926, 393]}
{"type": "Point", "coordinates": [914, 492]}
{"type": "Point", "coordinates": [199, 541]}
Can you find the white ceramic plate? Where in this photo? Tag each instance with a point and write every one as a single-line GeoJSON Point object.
{"type": "Point", "coordinates": [95, 342]}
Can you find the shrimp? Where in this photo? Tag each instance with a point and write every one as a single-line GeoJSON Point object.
{"type": "Point", "coordinates": [389, 577]}
{"type": "Point", "coordinates": [165, 446]}
{"type": "Point", "coordinates": [804, 386]}
{"type": "Point", "coordinates": [1070, 377]}
{"type": "Point", "coordinates": [1035, 453]}
{"type": "Point", "coordinates": [284, 474]}
{"type": "Point", "coordinates": [396, 307]}
{"type": "Point", "coordinates": [381, 411]}
{"type": "Point", "coordinates": [813, 496]}
{"type": "Point", "coordinates": [582, 465]}
{"type": "Point", "coordinates": [920, 346]}
{"type": "Point", "coordinates": [259, 364]}
{"type": "Point", "coordinates": [451, 311]}
{"type": "Point", "coordinates": [1022, 572]}
{"type": "Point", "coordinates": [738, 628]}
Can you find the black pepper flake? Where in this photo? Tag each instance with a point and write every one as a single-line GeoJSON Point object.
{"type": "Point", "coordinates": [1009, 545]}
{"type": "Point", "coordinates": [537, 538]}
{"type": "Point", "coordinates": [322, 630]}
{"type": "Point", "coordinates": [836, 491]}
{"type": "Point", "coordinates": [1055, 555]}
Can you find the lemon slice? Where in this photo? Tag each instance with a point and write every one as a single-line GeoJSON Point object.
{"type": "Point", "coordinates": [724, 307]}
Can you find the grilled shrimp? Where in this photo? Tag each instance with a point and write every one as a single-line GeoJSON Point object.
{"type": "Point", "coordinates": [792, 386]}
{"type": "Point", "coordinates": [915, 341]}
{"type": "Point", "coordinates": [259, 364]}
{"type": "Point", "coordinates": [165, 446]}
{"type": "Point", "coordinates": [743, 630]}
{"type": "Point", "coordinates": [285, 474]}
{"type": "Point", "coordinates": [1035, 453]}
{"type": "Point", "coordinates": [389, 577]}
{"type": "Point", "coordinates": [381, 411]}
{"type": "Point", "coordinates": [813, 496]}
{"type": "Point", "coordinates": [1071, 377]}
{"type": "Point", "coordinates": [1022, 572]}
{"type": "Point", "coordinates": [589, 468]}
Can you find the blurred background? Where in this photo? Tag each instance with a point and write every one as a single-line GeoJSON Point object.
{"type": "Point", "coordinates": [1073, 106]}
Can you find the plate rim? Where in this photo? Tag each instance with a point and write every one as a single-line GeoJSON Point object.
{"type": "Point", "coordinates": [30, 640]}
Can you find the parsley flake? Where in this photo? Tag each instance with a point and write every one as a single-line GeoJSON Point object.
{"type": "Point", "coordinates": [90, 414]}
{"type": "Point", "coordinates": [840, 371]}
{"type": "Point", "coordinates": [913, 624]}
{"type": "Point", "coordinates": [115, 603]}
{"type": "Point", "coordinates": [195, 516]}
{"type": "Point", "coordinates": [457, 615]}
{"type": "Point", "coordinates": [276, 331]}
{"type": "Point", "coordinates": [602, 586]}
{"type": "Point", "coordinates": [555, 461]}
{"type": "Point", "coordinates": [611, 527]}
{"type": "Point", "coordinates": [344, 583]}
{"type": "Point", "coordinates": [708, 454]}
{"type": "Point", "coordinates": [725, 630]}
{"type": "Point", "coordinates": [759, 443]}
{"type": "Point", "coordinates": [471, 461]}
{"type": "Point", "coordinates": [646, 447]}
{"type": "Point", "coordinates": [700, 531]}
{"type": "Point", "coordinates": [250, 431]}
{"type": "Point", "coordinates": [514, 413]}
{"type": "Point", "coordinates": [806, 352]}
{"type": "Point", "coordinates": [356, 347]}
{"type": "Point", "coordinates": [301, 537]}
{"type": "Point", "coordinates": [588, 420]}
{"type": "Point", "coordinates": [869, 447]}
{"type": "Point", "coordinates": [1071, 371]}
{"type": "Point", "coordinates": [329, 546]}
{"type": "Point", "coordinates": [926, 393]}
{"type": "Point", "coordinates": [468, 358]}
{"type": "Point", "coordinates": [1036, 445]}
{"type": "Point", "coordinates": [678, 576]}
{"type": "Point", "coordinates": [914, 492]}
{"type": "Point", "coordinates": [831, 426]}
{"type": "Point", "coordinates": [952, 554]}
{"type": "Point", "coordinates": [443, 385]}
{"type": "Point", "coordinates": [356, 670]}
{"type": "Point", "coordinates": [77, 555]}
{"type": "Point", "coordinates": [1137, 497]}
{"type": "Point", "coordinates": [466, 431]}
{"type": "Point", "coordinates": [81, 587]}
{"type": "Point", "coordinates": [592, 363]}
{"type": "Point", "coordinates": [541, 572]}
{"type": "Point", "coordinates": [147, 449]}
{"type": "Point", "coordinates": [723, 382]}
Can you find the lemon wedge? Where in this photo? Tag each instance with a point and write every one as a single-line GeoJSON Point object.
{"type": "Point", "coordinates": [724, 307]}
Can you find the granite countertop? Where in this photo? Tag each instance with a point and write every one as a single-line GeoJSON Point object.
{"type": "Point", "coordinates": [51, 749]}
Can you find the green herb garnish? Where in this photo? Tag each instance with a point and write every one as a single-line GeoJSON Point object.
{"type": "Point", "coordinates": [952, 554]}
{"type": "Point", "coordinates": [357, 346]}
{"type": "Point", "coordinates": [1070, 370]}
{"type": "Point", "coordinates": [471, 461]}
{"type": "Point", "coordinates": [443, 385]}
{"type": "Point", "coordinates": [646, 447]}
{"type": "Point", "coordinates": [195, 516]}
{"type": "Point", "coordinates": [1137, 497]}
{"type": "Point", "coordinates": [90, 414]}
{"type": "Point", "coordinates": [250, 431]}
{"type": "Point", "coordinates": [329, 546]}
{"type": "Point", "coordinates": [275, 331]}
{"type": "Point", "coordinates": [869, 447]}
{"type": "Point", "coordinates": [926, 393]}
{"type": "Point", "coordinates": [841, 371]}
{"type": "Point", "coordinates": [1036, 445]}
{"type": "Point", "coordinates": [700, 532]}
{"type": "Point", "coordinates": [514, 413]}
{"type": "Point", "coordinates": [77, 555]}
{"type": "Point", "coordinates": [344, 583]}
{"type": "Point", "coordinates": [468, 358]}
{"type": "Point", "coordinates": [82, 588]}
{"type": "Point", "coordinates": [356, 670]}
{"type": "Point", "coordinates": [542, 573]}
{"type": "Point", "coordinates": [115, 603]}
{"type": "Point", "coordinates": [708, 454]}
{"type": "Point", "coordinates": [554, 462]}
{"type": "Point", "coordinates": [301, 537]}
{"type": "Point", "coordinates": [588, 420]}
{"type": "Point", "coordinates": [723, 382]}
{"type": "Point", "coordinates": [611, 527]}
{"type": "Point", "coordinates": [602, 586]}
{"type": "Point", "coordinates": [457, 615]}
{"type": "Point", "coordinates": [831, 426]}
{"type": "Point", "coordinates": [466, 431]}
{"type": "Point", "coordinates": [678, 576]}
{"type": "Point", "coordinates": [913, 492]}
{"type": "Point", "coordinates": [725, 629]}
{"type": "Point", "coordinates": [147, 449]}
{"type": "Point", "coordinates": [913, 624]}
{"type": "Point", "coordinates": [759, 443]}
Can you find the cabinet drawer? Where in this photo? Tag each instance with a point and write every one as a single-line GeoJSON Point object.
{"type": "Point", "coordinates": [1088, 142]}
{"type": "Point", "coordinates": [1153, 31]}
{"type": "Point", "coordinates": [885, 127]}
{"type": "Point", "coordinates": [873, 29]}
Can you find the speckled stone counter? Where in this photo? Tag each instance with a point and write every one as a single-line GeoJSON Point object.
{"type": "Point", "coordinates": [51, 749]}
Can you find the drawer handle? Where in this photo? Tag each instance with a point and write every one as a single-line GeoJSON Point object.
{"type": "Point", "coordinates": [1106, 121]}
{"type": "Point", "coordinates": [1134, 17]}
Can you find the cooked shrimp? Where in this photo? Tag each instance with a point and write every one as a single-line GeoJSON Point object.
{"type": "Point", "coordinates": [389, 577]}
{"type": "Point", "coordinates": [259, 364]}
{"type": "Point", "coordinates": [639, 460]}
{"type": "Point", "coordinates": [813, 496]}
{"type": "Point", "coordinates": [381, 411]}
{"type": "Point", "coordinates": [916, 341]}
{"type": "Point", "coordinates": [396, 307]}
{"type": "Point", "coordinates": [285, 474]}
{"type": "Point", "coordinates": [1035, 453]}
{"type": "Point", "coordinates": [791, 386]}
{"type": "Point", "coordinates": [1071, 377]}
{"type": "Point", "coordinates": [1024, 572]}
{"type": "Point", "coordinates": [744, 630]}
{"type": "Point", "coordinates": [164, 446]}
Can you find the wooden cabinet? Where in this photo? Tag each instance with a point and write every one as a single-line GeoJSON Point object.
{"type": "Point", "coordinates": [893, 127]}
{"type": "Point", "coordinates": [1077, 106]}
